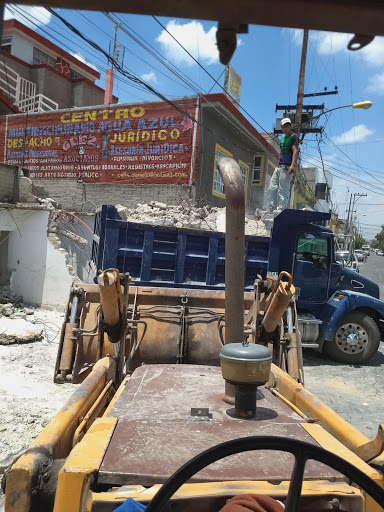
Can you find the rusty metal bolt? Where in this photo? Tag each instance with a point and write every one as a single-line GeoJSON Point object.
{"type": "Point", "coordinates": [334, 503]}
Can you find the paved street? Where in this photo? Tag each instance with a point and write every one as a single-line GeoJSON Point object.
{"type": "Point", "coordinates": [374, 269]}
{"type": "Point", "coordinates": [355, 392]}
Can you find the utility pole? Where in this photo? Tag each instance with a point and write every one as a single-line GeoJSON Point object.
{"type": "Point", "coordinates": [349, 211]}
{"type": "Point", "coordinates": [109, 73]}
{"type": "Point", "coordinates": [300, 91]}
{"type": "Point", "coordinates": [299, 106]}
{"type": "Point", "coordinates": [358, 195]}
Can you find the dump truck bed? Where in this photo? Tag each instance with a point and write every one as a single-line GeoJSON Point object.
{"type": "Point", "coordinates": [163, 256]}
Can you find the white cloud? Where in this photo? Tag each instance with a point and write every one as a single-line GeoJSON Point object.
{"type": "Point", "coordinates": [331, 41]}
{"type": "Point", "coordinates": [327, 42]}
{"type": "Point", "coordinates": [376, 83]}
{"type": "Point", "coordinates": [357, 133]}
{"type": "Point", "coordinates": [33, 15]}
{"type": "Point", "coordinates": [82, 59]}
{"type": "Point", "coordinates": [199, 43]}
{"type": "Point", "coordinates": [297, 36]}
{"type": "Point", "coordinates": [324, 42]}
{"type": "Point", "coordinates": [373, 54]}
{"type": "Point", "coordinates": [149, 77]}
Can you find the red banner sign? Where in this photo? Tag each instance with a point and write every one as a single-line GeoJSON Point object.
{"type": "Point", "coordinates": [141, 143]}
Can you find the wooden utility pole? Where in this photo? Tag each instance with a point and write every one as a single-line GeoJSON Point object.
{"type": "Point", "coordinates": [300, 90]}
{"type": "Point", "coordinates": [299, 103]}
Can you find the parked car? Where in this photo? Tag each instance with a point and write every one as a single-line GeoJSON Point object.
{"type": "Point", "coordinates": [359, 254]}
{"type": "Point", "coordinates": [380, 253]}
{"type": "Point", "coordinates": [343, 257]}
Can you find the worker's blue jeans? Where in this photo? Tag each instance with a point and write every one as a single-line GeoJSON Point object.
{"type": "Point", "coordinates": [279, 188]}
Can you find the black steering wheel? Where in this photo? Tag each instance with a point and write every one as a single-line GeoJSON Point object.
{"type": "Point", "coordinates": [302, 452]}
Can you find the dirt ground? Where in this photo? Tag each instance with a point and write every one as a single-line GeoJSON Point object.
{"type": "Point", "coordinates": [29, 398]}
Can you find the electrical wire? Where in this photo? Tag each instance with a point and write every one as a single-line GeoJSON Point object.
{"type": "Point", "coordinates": [186, 80]}
{"type": "Point", "coordinates": [215, 81]}
{"type": "Point", "coordinates": [137, 56]}
{"type": "Point", "coordinates": [28, 17]}
{"type": "Point", "coordinates": [345, 176]}
{"type": "Point", "coordinates": [349, 158]}
{"type": "Point", "coordinates": [134, 78]}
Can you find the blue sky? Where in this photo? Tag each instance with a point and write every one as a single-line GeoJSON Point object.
{"type": "Point", "coordinates": [268, 60]}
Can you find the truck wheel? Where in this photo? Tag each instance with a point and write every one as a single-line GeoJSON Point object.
{"type": "Point", "coordinates": [356, 339]}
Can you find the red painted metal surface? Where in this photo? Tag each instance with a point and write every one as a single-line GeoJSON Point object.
{"type": "Point", "coordinates": [156, 433]}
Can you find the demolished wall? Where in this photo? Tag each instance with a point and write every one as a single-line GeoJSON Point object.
{"type": "Point", "coordinates": [8, 183]}
{"type": "Point", "coordinates": [86, 197]}
{"type": "Point", "coordinates": [37, 270]}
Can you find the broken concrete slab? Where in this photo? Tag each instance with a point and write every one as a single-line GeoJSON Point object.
{"type": "Point", "coordinates": [186, 215]}
{"type": "Point", "coordinates": [18, 330]}
{"type": "Point", "coordinates": [7, 310]}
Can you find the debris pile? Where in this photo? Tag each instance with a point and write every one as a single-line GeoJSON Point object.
{"type": "Point", "coordinates": [14, 326]}
{"type": "Point", "coordinates": [187, 216]}
{"type": "Point", "coordinates": [18, 330]}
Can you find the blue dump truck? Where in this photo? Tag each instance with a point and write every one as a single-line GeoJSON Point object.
{"type": "Point", "coordinates": [338, 310]}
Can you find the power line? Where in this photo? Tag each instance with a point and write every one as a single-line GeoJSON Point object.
{"type": "Point", "coordinates": [192, 57]}
{"type": "Point", "coordinates": [28, 18]}
{"type": "Point", "coordinates": [91, 23]}
{"type": "Point", "coordinates": [349, 158]}
{"type": "Point", "coordinates": [341, 160]}
{"type": "Point", "coordinates": [209, 74]}
{"type": "Point", "coordinates": [127, 74]}
{"type": "Point", "coordinates": [190, 83]}
{"type": "Point", "coordinates": [205, 99]}
{"type": "Point", "coordinates": [136, 79]}
{"type": "Point", "coordinates": [356, 182]}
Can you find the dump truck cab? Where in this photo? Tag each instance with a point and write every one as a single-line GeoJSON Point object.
{"type": "Point", "coordinates": [302, 244]}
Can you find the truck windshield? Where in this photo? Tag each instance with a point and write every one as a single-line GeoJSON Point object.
{"type": "Point", "coordinates": [313, 248]}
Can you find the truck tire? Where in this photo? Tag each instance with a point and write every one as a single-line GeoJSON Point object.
{"type": "Point", "coordinates": [356, 339]}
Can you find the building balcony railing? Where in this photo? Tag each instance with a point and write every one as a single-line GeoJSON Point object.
{"type": "Point", "coordinates": [23, 92]}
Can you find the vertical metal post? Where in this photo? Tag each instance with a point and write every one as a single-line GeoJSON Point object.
{"type": "Point", "coordinates": [234, 249]}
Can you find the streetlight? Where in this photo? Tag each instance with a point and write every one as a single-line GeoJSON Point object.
{"type": "Point", "coordinates": [361, 104]}
{"type": "Point", "coordinates": [365, 105]}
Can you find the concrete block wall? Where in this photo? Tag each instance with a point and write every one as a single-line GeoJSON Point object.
{"type": "Point", "coordinates": [86, 197]}
{"type": "Point", "coordinates": [85, 94]}
{"type": "Point", "coordinates": [8, 183]}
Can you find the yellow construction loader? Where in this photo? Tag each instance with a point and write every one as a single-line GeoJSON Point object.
{"type": "Point", "coordinates": [188, 399]}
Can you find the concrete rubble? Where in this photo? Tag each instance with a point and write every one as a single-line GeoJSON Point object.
{"type": "Point", "coordinates": [187, 216]}
{"type": "Point", "coordinates": [18, 330]}
{"type": "Point", "coordinates": [14, 326]}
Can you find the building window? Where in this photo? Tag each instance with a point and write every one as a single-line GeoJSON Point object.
{"type": "Point", "coordinates": [6, 44]}
{"type": "Point", "coordinates": [244, 169]}
{"type": "Point", "coordinates": [73, 74]}
{"type": "Point", "coordinates": [218, 185]}
{"type": "Point", "coordinates": [41, 58]}
{"type": "Point", "coordinates": [257, 170]}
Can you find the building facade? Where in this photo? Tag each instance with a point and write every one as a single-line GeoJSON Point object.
{"type": "Point", "coordinates": [224, 131]}
{"type": "Point", "coordinates": [316, 188]}
{"type": "Point", "coordinates": [36, 75]}
{"type": "Point", "coordinates": [132, 153]}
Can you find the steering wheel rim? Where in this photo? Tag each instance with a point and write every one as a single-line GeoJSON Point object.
{"type": "Point", "coordinates": [301, 450]}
